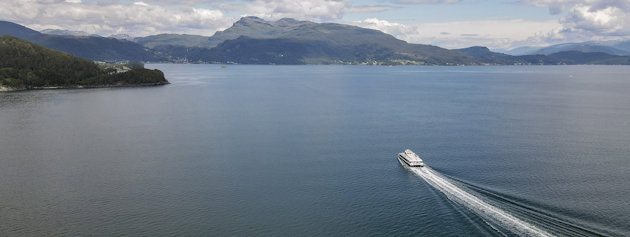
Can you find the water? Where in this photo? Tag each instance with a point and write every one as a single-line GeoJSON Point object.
{"type": "Point", "coordinates": [311, 150]}
{"type": "Point", "coordinates": [492, 215]}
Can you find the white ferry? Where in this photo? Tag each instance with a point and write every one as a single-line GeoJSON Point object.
{"type": "Point", "coordinates": [410, 158]}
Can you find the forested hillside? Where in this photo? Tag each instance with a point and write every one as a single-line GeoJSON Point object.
{"type": "Point", "coordinates": [24, 65]}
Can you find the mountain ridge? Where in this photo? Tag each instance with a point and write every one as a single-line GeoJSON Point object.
{"type": "Point", "coordinates": [90, 47]}
{"type": "Point", "coordinates": [621, 48]}
{"type": "Point", "coordinates": [337, 43]}
{"type": "Point", "coordinates": [252, 40]}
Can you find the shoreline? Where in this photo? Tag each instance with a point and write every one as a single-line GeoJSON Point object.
{"type": "Point", "coordinates": [385, 65]}
{"type": "Point", "coordinates": [10, 89]}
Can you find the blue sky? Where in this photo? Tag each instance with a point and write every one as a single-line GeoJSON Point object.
{"type": "Point", "coordinates": [498, 24]}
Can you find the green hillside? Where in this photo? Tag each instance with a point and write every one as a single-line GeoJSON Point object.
{"type": "Point", "coordinates": [24, 65]}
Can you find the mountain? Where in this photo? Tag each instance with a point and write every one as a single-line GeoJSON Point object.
{"type": "Point", "coordinates": [89, 47]}
{"type": "Point", "coordinates": [66, 32]}
{"type": "Point", "coordinates": [121, 37]}
{"type": "Point", "coordinates": [183, 54]}
{"type": "Point", "coordinates": [288, 41]}
{"type": "Point", "coordinates": [252, 27]}
{"type": "Point", "coordinates": [245, 50]}
{"type": "Point", "coordinates": [525, 50]}
{"type": "Point", "coordinates": [577, 57]}
{"type": "Point", "coordinates": [585, 47]}
{"type": "Point", "coordinates": [10, 28]}
{"type": "Point", "coordinates": [483, 54]}
{"type": "Point", "coordinates": [257, 28]}
{"type": "Point", "coordinates": [153, 41]}
{"type": "Point", "coordinates": [623, 45]}
{"type": "Point", "coordinates": [252, 40]}
{"type": "Point", "coordinates": [25, 65]}
{"type": "Point", "coordinates": [97, 48]}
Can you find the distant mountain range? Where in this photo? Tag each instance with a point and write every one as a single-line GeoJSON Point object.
{"type": "Point", "coordinates": [66, 32]}
{"type": "Point", "coordinates": [287, 41]}
{"type": "Point", "coordinates": [252, 40]}
{"type": "Point", "coordinates": [621, 48]}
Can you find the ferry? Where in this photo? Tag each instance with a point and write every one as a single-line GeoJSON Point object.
{"type": "Point", "coordinates": [411, 159]}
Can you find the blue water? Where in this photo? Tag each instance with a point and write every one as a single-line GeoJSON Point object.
{"type": "Point", "coordinates": [311, 150]}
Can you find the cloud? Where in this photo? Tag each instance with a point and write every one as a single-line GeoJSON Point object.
{"type": "Point", "coordinates": [141, 4]}
{"type": "Point", "coordinates": [312, 9]}
{"type": "Point", "coordinates": [145, 17]}
{"type": "Point", "coordinates": [135, 18]}
{"type": "Point", "coordinates": [181, 2]}
{"type": "Point", "coordinates": [426, 1]}
{"type": "Point", "coordinates": [317, 10]}
{"type": "Point", "coordinates": [555, 6]}
{"type": "Point", "coordinates": [611, 20]}
{"type": "Point", "coordinates": [588, 19]}
{"type": "Point", "coordinates": [461, 34]}
{"type": "Point", "coordinates": [380, 8]}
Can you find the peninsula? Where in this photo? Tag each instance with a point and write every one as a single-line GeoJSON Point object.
{"type": "Point", "coordinates": [26, 66]}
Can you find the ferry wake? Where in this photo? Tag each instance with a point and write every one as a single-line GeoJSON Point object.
{"type": "Point", "coordinates": [492, 215]}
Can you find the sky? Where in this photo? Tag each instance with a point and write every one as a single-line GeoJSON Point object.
{"type": "Point", "coordinates": [497, 24]}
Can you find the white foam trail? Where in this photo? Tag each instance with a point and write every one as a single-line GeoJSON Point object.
{"type": "Point", "coordinates": [486, 211]}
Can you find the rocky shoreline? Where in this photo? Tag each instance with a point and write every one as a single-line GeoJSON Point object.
{"type": "Point", "coordinates": [10, 89]}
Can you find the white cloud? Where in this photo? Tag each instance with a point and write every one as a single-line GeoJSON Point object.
{"type": "Point", "coordinates": [144, 17]}
{"type": "Point", "coordinates": [316, 10]}
{"type": "Point", "coordinates": [588, 19]}
{"type": "Point", "coordinates": [460, 34]}
{"type": "Point", "coordinates": [611, 20]}
{"type": "Point", "coordinates": [141, 4]}
{"type": "Point", "coordinates": [137, 18]}
{"type": "Point", "coordinates": [555, 6]}
{"type": "Point", "coordinates": [181, 2]}
{"type": "Point", "coordinates": [355, 9]}
{"type": "Point", "coordinates": [427, 1]}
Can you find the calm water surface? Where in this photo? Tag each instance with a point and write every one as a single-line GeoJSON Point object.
{"type": "Point", "coordinates": [310, 150]}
